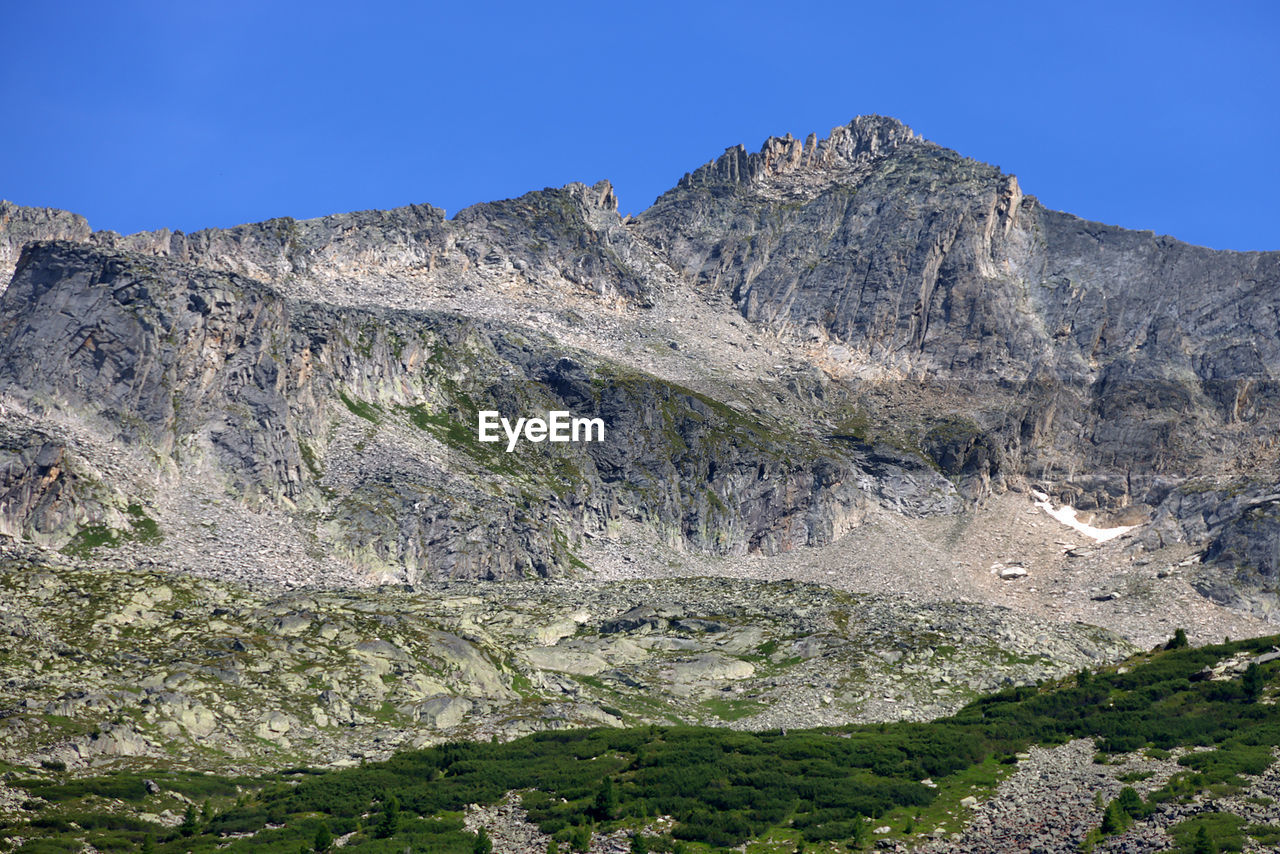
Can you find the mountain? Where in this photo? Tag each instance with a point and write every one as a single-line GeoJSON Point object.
{"type": "Point", "coordinates": [878, 435]}
{"type": "Point", "coordinates": [782, 342]}
{"type": "Point", "coordinates": [1095, 350]}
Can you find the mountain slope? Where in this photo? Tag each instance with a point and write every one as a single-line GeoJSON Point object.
{"type": "Point", "coordinates": [1093, 350]}
{"type": "Point", "coordinates": [362, 421]}
{"type": "Point", "coordinates": [919, 334]}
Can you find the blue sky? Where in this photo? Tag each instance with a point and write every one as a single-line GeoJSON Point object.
{"type": "Point", "coordinates": [141, 115]}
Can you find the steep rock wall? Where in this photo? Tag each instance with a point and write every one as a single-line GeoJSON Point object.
{"type": "Point", "coordinates": [219, 374]}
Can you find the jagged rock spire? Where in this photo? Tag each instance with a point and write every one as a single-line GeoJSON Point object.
{"type": "Point", "coordinates": [863, 138]}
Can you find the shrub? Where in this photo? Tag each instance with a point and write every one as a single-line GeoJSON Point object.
{"type": "Point", "coordinates": [1253, 682]}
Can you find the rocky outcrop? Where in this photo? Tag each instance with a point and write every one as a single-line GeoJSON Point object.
{"type": "Point", "coordinates": [154, 662]}
{"type": "Point", "coordinates": [20, 226]}
{"type": "Point", "coordinates": [848, 148]}
{"type": "Point", "coordinates": [284, 248]}
{"type": "Point", "coordinates": [108, 337]}
{"type": "Point", "coordinates": [571, 234]}
{"type": "Point", "coordinates": [1086, 348]}
{"type": "Point", "coordinates": [975, 333]}
{"type": "Point", "coordinates": [39, 495]}
{"type": "Point", "coordinates": [1239, 523]}
{"type": "Point", "coordinates": [220, 375]}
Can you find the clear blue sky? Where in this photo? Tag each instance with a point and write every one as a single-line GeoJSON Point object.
{"type": "Point", "coordinates": [142, 115]}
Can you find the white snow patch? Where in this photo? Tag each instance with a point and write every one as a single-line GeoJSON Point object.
{"type": "Point", "coordinates": [1066, 514]}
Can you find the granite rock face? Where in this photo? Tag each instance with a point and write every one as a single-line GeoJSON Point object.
{"type": "Point", "coordinates": [939, 334]}
{"type": "Point", "coordinates": [40, 494]}
{"type": "Point", "coordinates": [365, 422]}
{"type": "Point", "coordinates": [1239, 523]}
{"type": "Point", "coordinates": [20, 226]}
{"type": "Point", "coordinates": [573, 233]}
{"type": "Point", "coordinates": [1085, 349]}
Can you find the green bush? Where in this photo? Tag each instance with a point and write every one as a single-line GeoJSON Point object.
{"type": "Point", "coordinates": [1209, 832]}
{"type": "Point", "coordinates": [722, 787]}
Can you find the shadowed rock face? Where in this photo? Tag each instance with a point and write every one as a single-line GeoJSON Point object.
{"type": "Point", "coordinates": [19, 226]}
{"type": "Point", "coordinates": [999, 341]}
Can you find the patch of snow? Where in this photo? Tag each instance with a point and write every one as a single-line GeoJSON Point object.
{"type": "Point", "coordinates": [1066, 514]}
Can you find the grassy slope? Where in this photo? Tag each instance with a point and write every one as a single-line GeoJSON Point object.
{"type": "Point", "coordinates": [721, 787]}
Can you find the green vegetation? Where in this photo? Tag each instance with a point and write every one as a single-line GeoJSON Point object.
{"type": "Point", "coordinates": [323, 839]}
{"type": "Point", "coordinates": [1209, 833]}
{"type": "Point", "coordinates": [446, 425]}
{"type": "Point", "coordinates": [721, 787]}
{"type": "Point", "coordinates": [309, 460]}
{"type": "Point", "coordinates": [732, 710]}
{"type": "Point", "coordinates": [978, 780]}
{"type": "Point", "coordinates": [368, 411]}
{"type": "Point", "coordinates": [90, 538]}
{"type": "Point", "coordinates": [142, 529]}
{"type": "Point", "coordinates": [129, 786]}
{"type": "Point", "coordinates": [145, 529]}
{"type": "Point", "coordinates": [1265, 834]}
{"type": "Point", "coordinates": [458, 432]}
{"type": "Point", "coordinates": [1118, 815]}
{"type": "Point", "coordinates": [854, 424]}
{"type": "Point", "coordinates": [1253, 682]}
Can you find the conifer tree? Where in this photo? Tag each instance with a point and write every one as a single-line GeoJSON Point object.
{"type": "Point", "coordinates": [188, 826]}
{"type": "Point", "coordinates": [323, 839]}
{"type": "Point", "coordinates": [1203, 844]}
{"type": "Point", "coordinates": [605, 807]}
{"type": "Point", "coordinates": [1253, 681]}
{"type": "Point", "coordinates": [389, 824]}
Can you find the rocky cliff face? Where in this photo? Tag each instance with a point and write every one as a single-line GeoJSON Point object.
{"type": "Point", "coordinates": [1093, 350]}
{"type": "Point", "coordinates": [19, 226]}
{"type": "Point", "coordinates": [1106, 365]}
{"type": "Point", "coordinates": [568, 235]}
{"type": "Point", "coordinates": [933, 335]}
{"type": "Point", "coordinates": [364, 422]}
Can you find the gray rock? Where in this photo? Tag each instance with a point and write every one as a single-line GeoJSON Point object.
{"type": "Point", "coordinates": [974, 339]}
{"type": "Point", "coordinates": [143, 345]}
{"type": "Point", "coordinates": [20, 226]}
{"type": "Point", "coordinates": [442, 712]}
{"type": "Point", "coordinates": [711, 667]}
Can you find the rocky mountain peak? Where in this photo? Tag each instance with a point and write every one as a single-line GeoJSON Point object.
{"type": "Point", "coordinates": [862, 140]}
{"type": "Point", "coordinates": [877, 434]}
{"type": "Point", "coordinates": [598, 195]}
{"type": "Point", "coordinates": [20, 225]}
{"type": "Point", "coordinates": [773, 301]}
